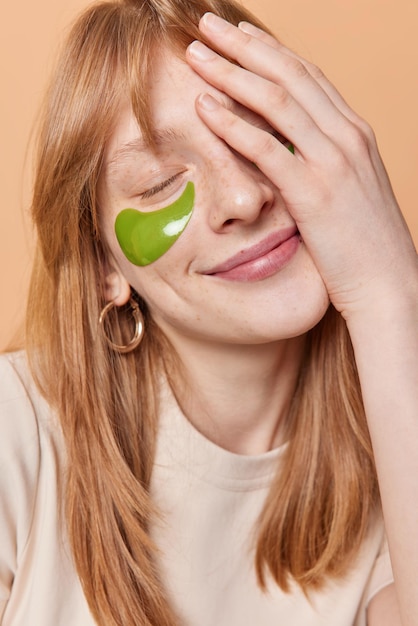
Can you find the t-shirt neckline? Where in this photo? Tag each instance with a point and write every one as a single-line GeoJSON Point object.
{"type": "Point", "coordinates": [186, 446]}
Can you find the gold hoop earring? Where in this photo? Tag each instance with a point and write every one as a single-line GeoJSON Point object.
{"type": "Point", "coordinates": [139, 327]}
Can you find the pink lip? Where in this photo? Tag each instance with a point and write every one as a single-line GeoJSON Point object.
{"type": "Point", "coordinates": [261, 260]}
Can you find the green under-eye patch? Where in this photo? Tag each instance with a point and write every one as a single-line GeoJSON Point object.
{"type": "Point", "coordinates": [145, 237]}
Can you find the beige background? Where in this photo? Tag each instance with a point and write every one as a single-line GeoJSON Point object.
{"type": "Point", "coordinates": [367, 47]}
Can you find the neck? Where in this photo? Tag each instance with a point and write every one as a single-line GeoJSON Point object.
{"type": "Point", "coordinates": [238, 396]}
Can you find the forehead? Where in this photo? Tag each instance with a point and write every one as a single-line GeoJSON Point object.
{"type": "Point", "coordinates": [172, 91]}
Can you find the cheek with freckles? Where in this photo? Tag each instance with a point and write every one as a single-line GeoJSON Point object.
{"type": "Point", "coordinates": [145, 237]}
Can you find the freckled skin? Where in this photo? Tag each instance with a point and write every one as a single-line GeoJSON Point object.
{"type": "Point", "coordinates": [145, 237]}
{"type": "Point", "coordinates": [235, 207]}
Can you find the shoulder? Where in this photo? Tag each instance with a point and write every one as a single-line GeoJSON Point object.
{"type": "Point", "coordinates": [28, 427]}
{"type": "Point", "coordinates": [19, 464]}
{"type": "Point", "coordinates": [29, 436]}
{"type": "Point", "coordinates": [23, 415]}
{"type": "Point", "coordinates": [31, 468]}
{"type": "Point", "coordinates": [18, 424]}
{"type": "Point", "coordinates": [23, 411]}
{"type": "Point", "coordinates": [15, 379]}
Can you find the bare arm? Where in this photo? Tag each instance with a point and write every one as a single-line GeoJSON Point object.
{"type": "Point", "coordinates": [384, 609]}
{"type": "Point", "coordinates": [385, 339]}
{"type": "Point", "coordinates": [337, 190]}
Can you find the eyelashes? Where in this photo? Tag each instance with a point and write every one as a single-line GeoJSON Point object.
{"type": "Point", "coordinates": [160, 187]}
{"type": "Point", "coordinates": [153, 191]}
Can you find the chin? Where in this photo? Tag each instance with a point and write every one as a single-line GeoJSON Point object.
{"type": "Point", "coordinates": [291, 316]}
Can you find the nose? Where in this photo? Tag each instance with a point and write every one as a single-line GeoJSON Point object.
{"type": "Point", "coordinates": [239, 194]}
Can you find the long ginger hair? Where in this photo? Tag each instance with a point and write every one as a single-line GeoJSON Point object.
{"type": "Point", "coordinates": [319, 506]}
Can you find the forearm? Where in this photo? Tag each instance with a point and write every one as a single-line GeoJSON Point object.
{"type": "Point", "coordinates": [336, 189]}
{"type": "Point", "coordinates": [385, 340]}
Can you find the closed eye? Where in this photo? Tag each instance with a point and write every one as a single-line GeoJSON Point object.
{"type": "Point", "coordinates": [157, 188]}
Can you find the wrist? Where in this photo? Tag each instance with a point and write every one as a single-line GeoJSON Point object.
{"type": "Point", "coordinates": [386, 313]}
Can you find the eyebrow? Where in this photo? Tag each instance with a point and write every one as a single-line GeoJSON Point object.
{"type": "Point", "coordinates": [160, 137]}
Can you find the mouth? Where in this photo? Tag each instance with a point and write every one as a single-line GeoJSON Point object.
{"type": "Point", "coordinates": [260, 260]}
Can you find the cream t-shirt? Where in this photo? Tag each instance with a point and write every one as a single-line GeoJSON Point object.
{"type": "Point", "coordinates": [210, 500]}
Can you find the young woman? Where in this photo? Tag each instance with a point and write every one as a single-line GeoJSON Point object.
{"type": "Point", "coordinates": [214, 422]}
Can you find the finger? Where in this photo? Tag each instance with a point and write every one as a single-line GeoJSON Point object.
{"type": "Point", "coordinates": [269, 100]}
{"type": "Point", "coordinates": [316, 73]}
{"type": "Point", "coordinates": [277, 66]}
{"type": "Point", "coordinates": [366, 132]}
{"type": "Point", "coordinates": [260, 147]}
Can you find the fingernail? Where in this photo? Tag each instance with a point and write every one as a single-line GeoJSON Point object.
{"type": "Point", "coordinates": [199, 51]}
{"type": "Point", "coordinates": [214, 23]}
{"type": "Point", "coordinates": [248, 28]}
{"type": "Point", "coordinates": [207, 102]}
